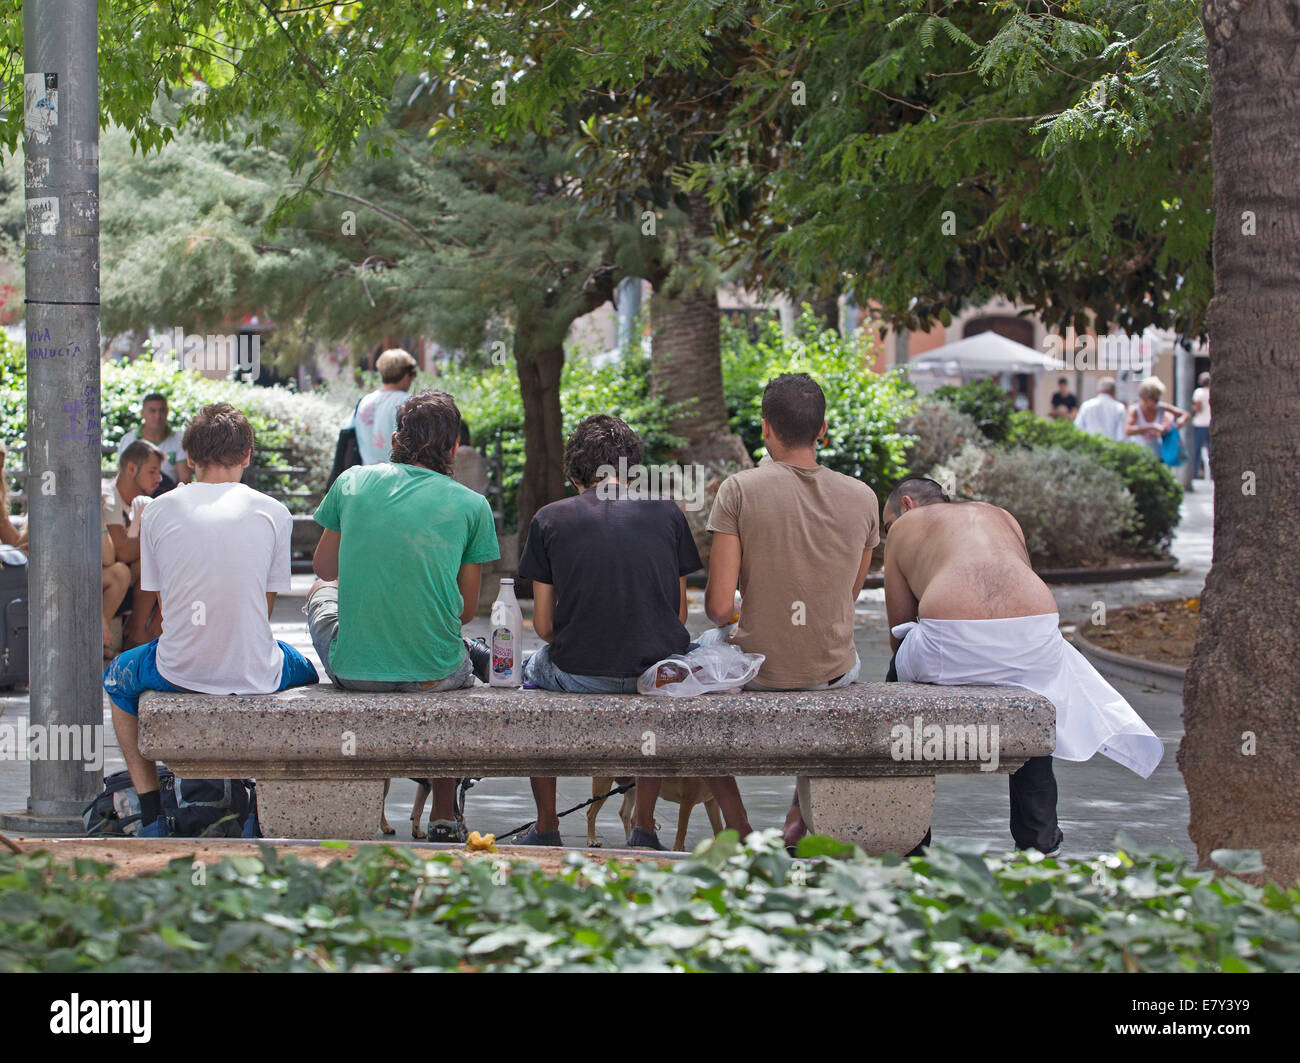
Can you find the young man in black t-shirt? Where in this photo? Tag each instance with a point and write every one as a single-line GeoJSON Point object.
{"type": "Point", "coordinates": [609, 575]}
{"type": "Point", "coordinates": [1064, 403]}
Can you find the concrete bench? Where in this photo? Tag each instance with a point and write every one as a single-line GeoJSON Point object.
{"type": "Point", "coordinates": [869, 753]}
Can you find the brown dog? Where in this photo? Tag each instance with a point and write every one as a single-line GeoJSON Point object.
{"type": "Point", "coordinates": [423, 787]}
{"type": "Point", "coordinates": [685, 793]}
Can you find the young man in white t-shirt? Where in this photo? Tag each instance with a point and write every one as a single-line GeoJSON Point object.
{"type": "Point", "coordinates": [217, 552]}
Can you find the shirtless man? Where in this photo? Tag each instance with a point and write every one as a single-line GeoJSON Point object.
{"type": "Point", "coordinates": [965, 607]}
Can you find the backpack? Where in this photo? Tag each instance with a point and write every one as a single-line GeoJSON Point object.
{"type": "Point", "coordinates": [346, 452]}
{"type": "Point", "coordinates": [193, 808]}
{"type": "Point", "coordinates": [13, 617]}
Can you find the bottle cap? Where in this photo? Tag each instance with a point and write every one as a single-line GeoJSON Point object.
{"type": "Point", "coordinates": [508, 582]}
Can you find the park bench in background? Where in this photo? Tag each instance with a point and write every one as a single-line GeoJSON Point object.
{"type": "Point", "coordinates": [320, 755]}
{"type": "Point", "coordinates": [273, 472]}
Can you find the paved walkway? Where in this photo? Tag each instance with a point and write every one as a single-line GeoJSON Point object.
{"type": "Point", "coordinates": [1097, 798]}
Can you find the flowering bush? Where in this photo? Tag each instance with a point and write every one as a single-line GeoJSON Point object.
{"type": "Point", "coordinates": [940, 430]}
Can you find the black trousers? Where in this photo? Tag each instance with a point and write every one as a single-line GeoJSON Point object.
{"type": "Point", "coordinates": [1033, 799]}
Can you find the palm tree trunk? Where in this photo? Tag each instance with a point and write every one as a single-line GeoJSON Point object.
{"type": "Point", "coordinates": [686, 360]}
{"type": "Point", "coordinates": [1240, 755]}
{"type": "Point", "coordinates": [686, 326]}
{"type": "Point", "coordinates": [539, 365]}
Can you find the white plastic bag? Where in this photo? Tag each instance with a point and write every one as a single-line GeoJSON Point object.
{"type": "Point", "coordinates": [720, 666]}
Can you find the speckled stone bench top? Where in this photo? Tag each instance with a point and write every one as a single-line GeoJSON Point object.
{"type": "Point", "coordinates": [867, 729]}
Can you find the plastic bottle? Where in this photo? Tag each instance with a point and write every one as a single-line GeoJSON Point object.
{"type": "Point", "coordinates": [507, 668]}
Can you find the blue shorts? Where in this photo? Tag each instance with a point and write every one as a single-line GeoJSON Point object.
{"type": "Point", "coordinates": [130, 674]}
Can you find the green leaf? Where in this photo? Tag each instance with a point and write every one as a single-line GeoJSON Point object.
{"type": "Point", "coordinates": [815, 846]}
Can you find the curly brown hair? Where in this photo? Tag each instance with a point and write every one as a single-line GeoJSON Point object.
{"type": "Point", "coordinates": [428, 426]}
{"type": "Point", "coordinates": [597, 443]}
{"type": "Point", "coordinates": [218, 435]}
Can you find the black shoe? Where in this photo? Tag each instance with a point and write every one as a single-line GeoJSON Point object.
{"type": "Point", "coordinates": [536, 837]}
{"type": "Point", "coordinates": [644, 839]}
{"type": "Point", "coordinates": [480, 657]}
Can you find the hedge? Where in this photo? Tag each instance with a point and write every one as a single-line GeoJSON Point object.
{"type": "Point", "coordinates": [1156, 492]}
{"type": "Point", "coordinates": [726, 908]}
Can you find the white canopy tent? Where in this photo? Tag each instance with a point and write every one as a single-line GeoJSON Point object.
{"type": "Point", "coordinates": [984, 355]}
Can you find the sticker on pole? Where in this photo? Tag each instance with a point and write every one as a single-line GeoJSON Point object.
{"type": "Point", "coordinates": [40, 106]}
{"type": "Point", "coordinates": [43, 215]}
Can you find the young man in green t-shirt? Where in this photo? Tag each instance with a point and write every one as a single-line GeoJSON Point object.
{"type": "Point", "coordinates": [399, 565]}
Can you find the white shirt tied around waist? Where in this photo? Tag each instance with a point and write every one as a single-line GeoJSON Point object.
{"type": "Point", "coordinates": [1029, 651]}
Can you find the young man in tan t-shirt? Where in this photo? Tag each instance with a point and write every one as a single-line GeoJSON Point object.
{"type": "Point", "coordinates": [795, 538]}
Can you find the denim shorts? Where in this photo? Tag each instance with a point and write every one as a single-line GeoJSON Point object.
{"type": "Point", "coordinates": [322, 611]}
{"type": "Point", "coordinates": [541, 670]}
{"type": "Point", "coordinates": [130, 674]}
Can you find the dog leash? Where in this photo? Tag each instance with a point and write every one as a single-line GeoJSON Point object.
{"type": "Point", "coordinates": [458, 804]}
{"type": "Point", "coordinates": [603, 797]}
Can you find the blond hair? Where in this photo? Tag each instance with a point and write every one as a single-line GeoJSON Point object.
{"type": "Point", "coordinates": [394, 364]}
{"type": "Point", "coordinates": [1151, 388]}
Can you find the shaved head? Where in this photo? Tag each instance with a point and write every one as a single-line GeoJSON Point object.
{"type": "Point", "coordinates": [920, 489]}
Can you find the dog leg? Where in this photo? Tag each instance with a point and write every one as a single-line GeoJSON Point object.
{"type": "Point", "coordinates": [715, 816]}
{"type": "Point", "coordinates": [423, 787]}
{"type": "Point", "coordinates": [598, 786]}
{"type": "Point", "coordinates": [683, 821]}
{"type": "Point", "coordinates": [625, 812]}
{"type": "Point", "coordinates": [384, 826]}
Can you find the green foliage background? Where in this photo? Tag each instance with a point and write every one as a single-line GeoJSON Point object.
{"type": "Point", "coordinates": [489, 404]}
{"type": "Point", "coordinates": [983, 401]}
{"type": "Point", "coordinates": [863, 408]}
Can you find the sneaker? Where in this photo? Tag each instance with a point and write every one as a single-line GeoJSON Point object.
{"type": "Point", "coordinates": [640, 838]}
{"type": "Point", "coordinates": [157, 829]}
{"type": "Point", "coordinates": [445, 832]}
{"type": "Point", "coordinates": [480, 657]}
{"type": "Point", "coordinates": [535, 837]}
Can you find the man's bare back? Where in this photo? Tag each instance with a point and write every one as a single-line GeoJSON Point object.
{"type": "Point", "coordinates": [960, 561]}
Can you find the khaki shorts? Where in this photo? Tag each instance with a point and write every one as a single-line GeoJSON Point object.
{"type": "Point", "coordinates": [322, 611]}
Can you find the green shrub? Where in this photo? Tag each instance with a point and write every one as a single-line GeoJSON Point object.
{"type": "Point", "coordinates": [1157, 494]}
{"type": "Point", "coordinates": [726, 908]}
{"type": "Point", "coordinates": [1071, 510]}
{"type": "Point", "coordinates": [984, 402]}
{"type": "Point", "coordinates": [863, 409]}
{"type": "Point", "coordinates": [940, 430]}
